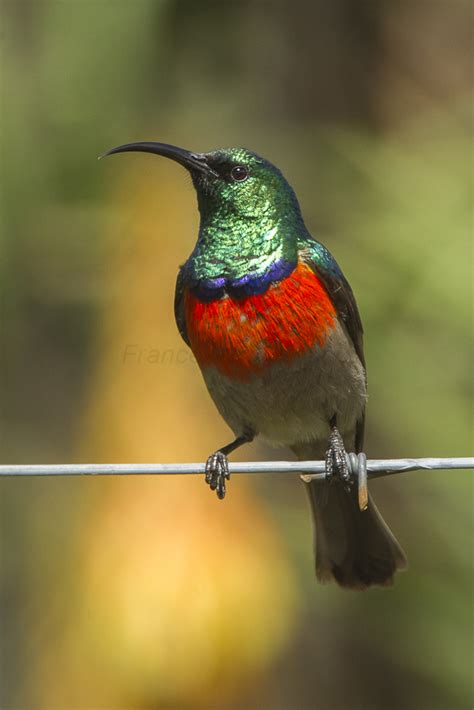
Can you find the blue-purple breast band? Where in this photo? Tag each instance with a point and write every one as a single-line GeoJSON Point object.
{"type": "Point", "coordinates": [248, 285]}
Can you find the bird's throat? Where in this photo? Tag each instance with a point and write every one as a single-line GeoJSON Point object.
{"type": "Point", "coordinates": [240, 258]}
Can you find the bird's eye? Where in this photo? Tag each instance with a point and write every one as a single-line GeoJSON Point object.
{"type": "Point", "coordinates": [239, 173]}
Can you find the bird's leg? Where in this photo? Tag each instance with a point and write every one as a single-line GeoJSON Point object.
{"type": "Point", "coordinates": [336, 461]}
{"type": "Point", "coordinates": [217, 465]}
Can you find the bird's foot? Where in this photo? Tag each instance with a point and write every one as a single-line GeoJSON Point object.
{"type": "Point", "coordinates": [336, 460]}
{"type": "Point", "coordinates": [217, 471]}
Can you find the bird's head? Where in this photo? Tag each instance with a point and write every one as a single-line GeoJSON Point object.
{"type": "Point", "coordinates": [229, 181]}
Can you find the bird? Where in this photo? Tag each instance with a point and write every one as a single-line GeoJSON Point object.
{"type": "Point", "coordinates": [275, 329]}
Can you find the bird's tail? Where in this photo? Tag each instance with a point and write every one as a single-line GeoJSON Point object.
{"type": "Point", "coordinates": [355, 548]}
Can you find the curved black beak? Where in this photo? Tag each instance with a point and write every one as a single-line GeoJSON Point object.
{"type": "Point", "coordinates": [191, 161]}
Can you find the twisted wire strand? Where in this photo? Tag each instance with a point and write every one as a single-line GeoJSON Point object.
{"type": "Point", "coordinates": [312, 470]}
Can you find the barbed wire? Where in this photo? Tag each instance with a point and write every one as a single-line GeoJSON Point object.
{"type": "Point", "coordinates": [359, 467]}
{"type": "Point", "coordinates": [313, 470]}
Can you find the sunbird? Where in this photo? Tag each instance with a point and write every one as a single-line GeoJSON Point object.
{"type": "Point", "coordinates": [275, 329]}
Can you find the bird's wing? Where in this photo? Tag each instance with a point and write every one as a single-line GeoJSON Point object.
{"type": "Point", "coordinates": [327, 270]}
{"type": "Point", "coordinates": [179, 306]}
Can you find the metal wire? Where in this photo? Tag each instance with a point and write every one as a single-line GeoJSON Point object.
{"type": "Point", "coordinates": [314, 470]}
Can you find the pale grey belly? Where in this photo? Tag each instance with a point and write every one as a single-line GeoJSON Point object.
{"type": "Point", "coordinates": [293, 403]}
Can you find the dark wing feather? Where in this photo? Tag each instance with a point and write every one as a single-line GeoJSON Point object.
{"type": "Point", "coordinates": [343, 299]}
{"type": "Point", "coordinates": [179, 306]}
{"type": "Point", "coordinates": [326, 268]}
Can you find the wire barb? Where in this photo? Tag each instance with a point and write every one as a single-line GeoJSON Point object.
{"type": "Point", "coordinates": [308, 470]}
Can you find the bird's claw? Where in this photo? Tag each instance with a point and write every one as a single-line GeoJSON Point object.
{"type": "Point", "coordinates": [336, 460]}
{"type": "Point", "coordinates": [217, 471]}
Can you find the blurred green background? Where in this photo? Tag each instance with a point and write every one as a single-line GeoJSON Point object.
{"type": "Point", "coordinates": [147, 593]}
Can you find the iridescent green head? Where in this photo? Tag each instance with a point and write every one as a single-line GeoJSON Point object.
{"type": "Point", "coordinates": [242, 184]}
{"type": "Point", "coordinates": [250, 217]}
